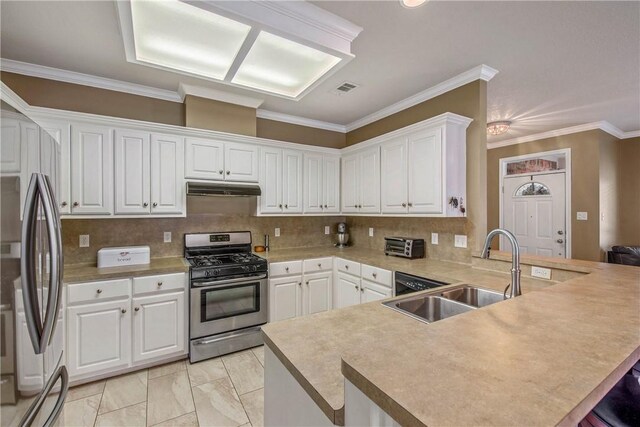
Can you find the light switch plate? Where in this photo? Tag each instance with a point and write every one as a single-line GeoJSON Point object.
{"type": "Point", "coordinates": [84, 240]}
{"type": "Point", "coordinates": [327, 229]}
{"type": "Point", "coordinates": [167, 237]}
{"type": "Point", "coordinates": [582, 216]}
{"type": "Point", "coordinates": [460, 241]}
{"type": "Point", "coordinates": [370, 231]}
{"type": "Point", "coordinates": [434, 238]}
{"type": "Point", "coordinates": [541, 272]}
{"type": "Point", "coordinates": [277, 232]}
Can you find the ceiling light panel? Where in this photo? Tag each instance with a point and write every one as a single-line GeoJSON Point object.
{"type": "Point", "coordinates": [176, 35]}
{"type": "Point", "coordinates": [278, 65]}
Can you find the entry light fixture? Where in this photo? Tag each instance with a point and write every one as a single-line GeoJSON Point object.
{"type": "Point", "coordinates": [275, 47]}
{"type": "Point", "coordinates": [498, 128]}
{"type": "Point", "coordinates": [410, 4]}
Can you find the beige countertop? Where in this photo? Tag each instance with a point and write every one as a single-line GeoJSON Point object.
{"type": "Point", "coordinates": [545, 358]}
{"type": "Point", "coordinates": [74, 273]}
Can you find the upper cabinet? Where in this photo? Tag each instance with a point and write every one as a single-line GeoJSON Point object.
{"type": "Point", "coordinates": [321, 183]}
{"type": "Point", "coordinates": [221, 161]}
{"type": "Point", "coordinates": [361, 181]}
{"type": "Point", "coordinates": [10, 147]}
{"type": "Point", "coordinates": [167, 174]}
{"type": "Point", "coordinates": [281, 181]}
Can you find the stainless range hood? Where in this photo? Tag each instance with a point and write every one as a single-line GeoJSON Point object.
{"type": "Point", "coordinates": [217, 189]}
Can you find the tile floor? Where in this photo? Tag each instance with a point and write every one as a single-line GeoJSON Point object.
{"type": "Point", "coordinates": [226, 391]}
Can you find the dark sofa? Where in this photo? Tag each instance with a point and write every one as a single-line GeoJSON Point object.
{"type": "Point", "coordinates": [628, 255]}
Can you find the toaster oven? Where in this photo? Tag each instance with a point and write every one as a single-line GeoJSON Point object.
{"type": "Point", "coordinates": [404, 247]}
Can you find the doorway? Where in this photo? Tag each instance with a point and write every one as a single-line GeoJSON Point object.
{"type": "Point", "coordinates": [535, 202]}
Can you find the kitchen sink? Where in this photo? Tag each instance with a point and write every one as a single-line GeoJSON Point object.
{"type": "Point", "coordinates": [428, 308]}
{"type": "Point", "coordinates": [476, 297]}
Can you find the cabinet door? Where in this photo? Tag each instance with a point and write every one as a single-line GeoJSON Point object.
{"type": "Point", "coordinates": [132, 172]}
{"type": "Point", "coordinates": [425, 172]}
{"type": "Point", "coordinates": [346, 290]}
{"type": "Point", "coordinates": [331, 184]}
{"type": "Point", "coordinates": [30, 365]}
{"type": "Point", "coordinates": [241, 162]}
{"type": "Point", "coordinates": [55, 153]}
{"type": "Point", "coordinates": [158, 326]}
{"type": "Point", "coordinates": [285, 298]}
{"type": "Point", "coordinates": [292, 181]}
{"type": "Point", "coordinates": [204, 159]}
{"type": "Point", "coordinates": [91, 169]}
{"type": "Point", "coordinates": [98, 337]}
{"type": "Point", "coordinates": [350, 183]}
{"type": "Point", "coordinates": [317, 292]}
{"type": "Point", "coordinates": [167, 171]}
{"type": "Point", "coordinates": [393, 187]}
{"type": "Point", "coordinates": [313, 183]}
{"type": "Point", "coordinates": [30, 157]}
{"type": "Point", "coordinates": [369, 181]}
{"type": "Point", "coordinates": [373, 292]}
{"type": "Point", "coordinates": [271, 180]}
{"type": "Point", "coordinates": [10, 147]}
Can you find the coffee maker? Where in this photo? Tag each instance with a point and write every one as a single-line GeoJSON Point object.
{"type": "Point", "coordinates": [343, 236]}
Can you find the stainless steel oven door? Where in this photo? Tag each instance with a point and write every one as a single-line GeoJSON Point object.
{"type": "Point", "coordinates": [227, 305]}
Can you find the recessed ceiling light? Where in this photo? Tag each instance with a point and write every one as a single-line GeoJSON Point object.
{"type": "Point", "coordinates": [278, 65]}
{"type": "Point", "coordinates": [410, 4]}
{"type": "Point", "coordinates": [498, 128]}
{"type": "Point", "coordinates": [176, 35]}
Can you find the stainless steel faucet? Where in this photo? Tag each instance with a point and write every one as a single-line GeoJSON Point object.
{"type": "Point", "coordinates": [515, 258]}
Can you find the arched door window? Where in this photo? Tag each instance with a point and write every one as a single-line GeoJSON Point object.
{"type": "Point", "coordinates": [532, 189]}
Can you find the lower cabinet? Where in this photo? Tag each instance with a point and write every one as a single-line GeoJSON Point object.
{"type": "Point", "coordinates": [285, 297]}
{"type": "Point", "coordinates": [347, 290]}
{"type": "Point", "coordinates": [158, 325]}
{"type": "Point", "coordinates": [370, 291]}
{"type": "Point", "coordinates": [360, 283]}
{"type": "Point", "coordinates": [98, 336]}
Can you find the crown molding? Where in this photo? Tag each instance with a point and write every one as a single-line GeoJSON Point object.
{"type": "Point", "coordinates": [297, 120]}
{"type": "Point", "coordinates": [481, 72]}
{"type": "Point", "coordinates": [601, 125]}
{"type": "Point", "coordinates": [218, 95]}
{"type": "Point", "coordinates": [41, 71]}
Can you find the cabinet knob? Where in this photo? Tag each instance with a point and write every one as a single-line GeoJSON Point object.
{"type": "Point", "coordinates": [346, 267]}
{"type": "Point", "coordinates": [159, 283]}
{"type": "Point", "coordinates": [362, 290]}
{"type": "Point", "coordinates": [325, 206]}
{"type": "Point", "coordinates": [299, 283]}
{"type": "Point", "coordinates": [356, 286]}
{"type": "Point", "coordinates": [220, 171]}
{"type": "Point", "coordinates": [560, 241]}
{"type": "Point", "coordinates": [280, 206]}
{"type": "Point", "coordinates": [155, 205]}
{"type": "Point", "coordinates": [307, 283]}
{"type": "Point", "coordinates": [76, 204]}
{"type": "Point", "coordinates": [560, 232]}
{"type": "Point", "coordinates": [123, 311]}
{"type": "Point", "coordinates": [137, 309]}
{"type": "Point", "coordinates": [99, 291]}
{"type": "Point", "coordinates": [404, 205]}
{"type": "Point", "coordinates": [286, 269]}
{"type": "Point", "coordinates": [286, 206]}
{"type": "Point", "coordinates": [319, 265]}
{"type": "Point", "coordinates": [145, 204]}
{"type": "Point", "coordinates": [63, 204]}
{"type": "Point", "coordinates": [374, 275]}
{"type": "Point", "coordinates": [410, 204]}
{"type": "Point", "coordinates": [228, 172]}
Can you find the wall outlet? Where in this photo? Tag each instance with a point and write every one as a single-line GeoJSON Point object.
{"type": "Point", "coordinates": [84, 240]}
{"type": "Point", "coordinates": [460, 241]}
{"type": "Point", "coordinates": [327, 229]}
{"type": "Point", "coordinates": [277, 232]}
{"type": "Point", "coordinates": [434, 238]}
{"type": "Point", "coordinates": [582, 216]}
{"type": "Point", "coordinates": [370, 231]}
{"type": "Point", "coordinates": [541, 272]}
{"type": "Point", "coordinates": [167, 237]}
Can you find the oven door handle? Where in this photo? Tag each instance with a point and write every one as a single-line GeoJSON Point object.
{"type": "Point", "coordinates": [228, 281]}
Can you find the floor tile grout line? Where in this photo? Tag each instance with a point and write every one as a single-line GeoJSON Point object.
{"type": "Point", "coordinates": [195, 409]}
{"type": "Point", "coordinates": [235, 389]}
{"type": "Point", "coordinates": [95, 420]}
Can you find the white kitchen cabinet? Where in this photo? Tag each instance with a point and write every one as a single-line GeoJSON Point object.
{"type": "Point", "coordinates": [10, 156]}
{"type": "Point", "coordinates": [285, 298]}
{"type": "Point", "coordinates": [361, 181]}
{"type": "Point", "coordinates": [221, 161]}
{"type": "Point", "coordinates": [393, 189]}
{"type": "Point", "coordinates": [321, 190]}
{"type": "Point", "coordinates": [29, 364]}
{"type": "Point", "coordinates": [167, 172]}
{"type": "Point", "coordinates": [281, 181]}
{"type": "Point", "coordinates": [316, 292]}
{"type": "Point", "coordinates": [55, 149]}
{"type": "Point", "coordinates": [360, 283]}
{"type": "Point", "coordinates": [29, 157]}
{"type": "Point", "coordinates": [346, 290]}
{"type": "Point", "coordinates": [425, 167]}
{"type": "Point", "coordinates": [132, 172]}
{"type": "Point", "coordinates": [158, 325]}
{"type": "Point", "coordinates": [370, 291]}
{"type": "Point", "coordinates": [91, 169]}
{"type": "Point", "coordinates": [98, 337]}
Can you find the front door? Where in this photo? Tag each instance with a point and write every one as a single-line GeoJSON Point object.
{"type": "Point", "coordinates": [534, 211]}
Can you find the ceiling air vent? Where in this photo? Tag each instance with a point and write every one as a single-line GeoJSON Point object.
{"type": "Point", "coordinates": [345, 87]}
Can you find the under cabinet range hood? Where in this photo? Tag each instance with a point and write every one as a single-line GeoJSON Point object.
{"type": "Point", "coordinates": [216, 189]}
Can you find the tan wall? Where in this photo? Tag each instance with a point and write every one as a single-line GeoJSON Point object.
{"type": "Point", "coordinates": [469, 100]}
{"type": "Point", "coordinates": [585, 185]}
{"type": "Point", "coordinates": [609, 219]}
{"type": "Point", "coordinates": [86, 99]}
{"type": "Point", "coordinates": [206, 113]}
{"type": "Point", "coordinates": [629, 191]}
{"type": "Point", "coordinates": [282, 131]}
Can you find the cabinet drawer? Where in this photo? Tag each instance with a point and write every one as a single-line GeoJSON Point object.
{"type": "Point", "coordinates": [162, 282]}
{"type": "Point", "coordinates": [98, 291]}
{"type": "Point", "coordinates": [348, 266]}
{"type": "Point", "coordinates": [285, 268]}
{"type": "Point", "coordinates": [318, 264]}
{"type": "Point", "coordinates": [377, 275]}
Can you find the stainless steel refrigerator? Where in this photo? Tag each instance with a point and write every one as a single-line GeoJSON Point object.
{"type": "Point", "coordinates": [33, 378]}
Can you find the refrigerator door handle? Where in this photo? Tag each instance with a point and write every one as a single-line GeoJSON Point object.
{"type": "Point", "coordinates": [28, 266]}
{"type": "Point", "coordinates": [34, 409]}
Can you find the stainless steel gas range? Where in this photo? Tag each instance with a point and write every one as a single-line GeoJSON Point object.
{"type": "Point", "coordinates": [228, 293]}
